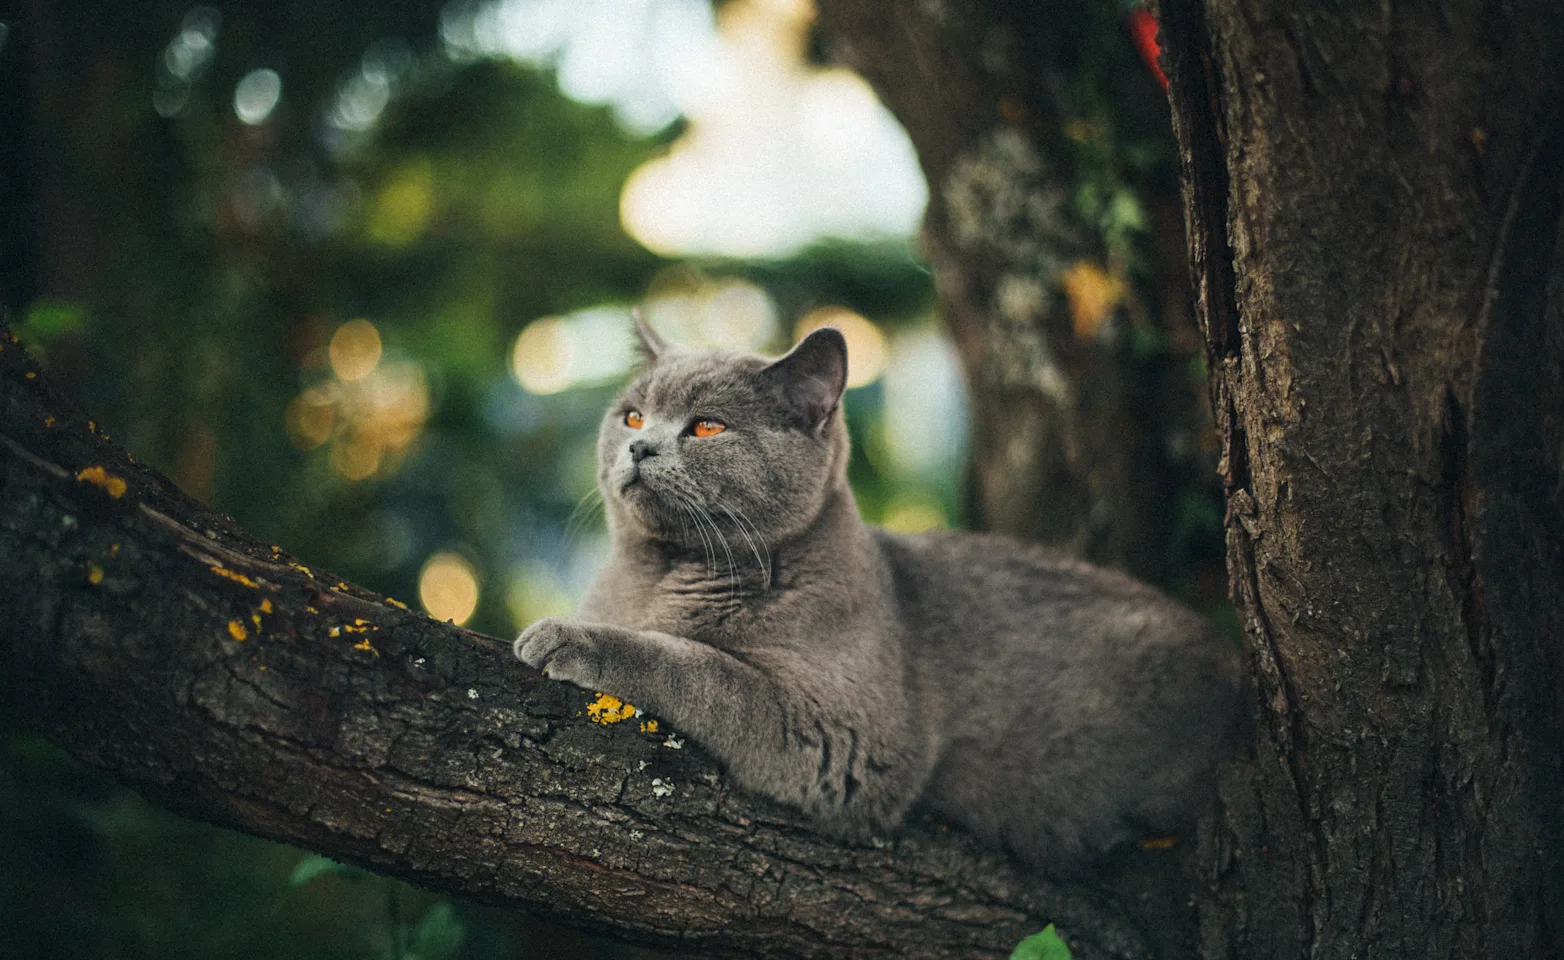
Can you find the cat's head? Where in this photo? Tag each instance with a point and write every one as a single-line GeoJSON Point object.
{"type": "Point", "coordinates": [732, 438]}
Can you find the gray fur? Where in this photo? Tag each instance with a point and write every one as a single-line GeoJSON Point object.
{"type": "Point", "coordinates": [1046, 705]}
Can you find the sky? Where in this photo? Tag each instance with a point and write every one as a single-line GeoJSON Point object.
{"type": "Point", "coordinates": [776, 153]}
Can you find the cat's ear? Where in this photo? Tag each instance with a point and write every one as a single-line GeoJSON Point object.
{"type": "Point", "coordinates": [811, 378]}
{"type": "Point", "coordinates": [649, 343]}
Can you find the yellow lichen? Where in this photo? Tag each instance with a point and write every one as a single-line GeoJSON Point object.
{"type": "Point", "coordinates": [223, 571]}
{"type": "Point", "coordinates": [609, 709]}
{"type": "Point", "coordinates": [311, 610]}
{"type": "Point", "coordinates": [266, 606]}
{"type": "Point", "coordinates": [302, 569]}
{"type": "Point", "coordinates": [31, 374]}
{"type": "Point", "coordinates": [396, 603]}
{"type": "Point", "coordinates": [113, 550]}
{"type": "Point", "coordinates": [334, 632]}
{"type": "Point", "coordinates": [341, 585]}
{"type": "Point", "coordinates": [95, 574]}
{"type": "Point", "coordinates": [99, 477]}
{"type": "Point", "coordinates": [256, 617]}
{"type": "Point", "coordinates": [48, 421]}
{"type": "Point", "coordinates": [364, 645]}
{"type": "Point", "coordinates": [649, 726]}
{"type": "Point", "coordinates": [237, 630]}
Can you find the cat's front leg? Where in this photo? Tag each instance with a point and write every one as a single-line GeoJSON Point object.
{"type": "Point", "coordinates": [685, 682]}
{"type": "Point", "coordinates": [848, 760]}
{"type": "Point", "coordinates": [567, 650]}
{"type": "Point", "coordinates": [732, 708]}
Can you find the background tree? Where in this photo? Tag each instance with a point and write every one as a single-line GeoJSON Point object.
{"type": "Point", "coordinates": [1374, 215]}
{"type": "Point", "coordinates": [1055, 240]}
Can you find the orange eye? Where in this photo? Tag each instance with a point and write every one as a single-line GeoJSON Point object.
{"type": "Point", "coordinates": [634, 420]}
{"type": "Point", "coordinates": [708, 428]}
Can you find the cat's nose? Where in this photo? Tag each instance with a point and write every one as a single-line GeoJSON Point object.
{"type": "Point", "coordinates": [640, 450]}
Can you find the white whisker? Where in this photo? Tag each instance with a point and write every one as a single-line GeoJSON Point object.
{"type": "Point", "coordinates": [689, 506]}
{"type": "Point", "coordinates": [744, 525]}
{"type": "Point", "coordinates": [576, 523]}
{"type": "Point", "coordinates": [733, 586]}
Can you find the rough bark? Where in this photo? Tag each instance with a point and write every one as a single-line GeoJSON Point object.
{"type": "Point", "coordinates": [153, 639]}
{"type": "Point", "coordinates": [1076, 441]}
{"type": "Point", "coordinates": [1373, 195]}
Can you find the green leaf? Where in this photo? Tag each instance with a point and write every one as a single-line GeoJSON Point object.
{"type": "Point", "coordinates": [45, 318]}
{"type": "Point", "coordinates": [311, 867]}
{"type": "Point", "coordinates": [438, 935]}
{"type": "Point", "coordinates": [1042, 946]}
{"type": "Point", "coordinates": [1124, 213]}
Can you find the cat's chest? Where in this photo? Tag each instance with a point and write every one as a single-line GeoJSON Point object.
{"type": "Point", "coordinates": [695, 604]}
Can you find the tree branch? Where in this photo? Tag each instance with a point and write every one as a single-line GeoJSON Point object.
{"type": "Point", "coordinates": [155, 640]}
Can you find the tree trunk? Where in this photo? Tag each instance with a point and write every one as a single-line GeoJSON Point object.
{"type": "Point", "coordinates": [1373, 194]}
{"type": "Point", "coordinates": [153, 639]}
{"type": "Point", "coordinates": [1086, 430]}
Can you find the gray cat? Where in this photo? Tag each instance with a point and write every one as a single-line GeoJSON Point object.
{"type": "Point", "coordinates": [1046, 705]}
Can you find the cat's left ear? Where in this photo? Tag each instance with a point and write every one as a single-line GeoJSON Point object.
{"type": "Point", "coordinates": [811, 378]}
{"type": "Point", "coordinates": [651, 345]}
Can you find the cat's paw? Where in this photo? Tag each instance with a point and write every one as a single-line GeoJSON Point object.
{"type": "Point", "coordinates": [562, 650]}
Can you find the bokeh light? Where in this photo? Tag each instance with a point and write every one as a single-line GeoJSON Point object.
{"type": "Point", "coordinates": [185, 59]}
{"type": "Point", "coordinates": [370, 411]}
{"type": "Point", "coordinates": [867, 349]}
{"type": "Point", "coordinates": [535, 591]}
{"type": "Point", "coordinates": [256, 95]}
{"type": "Point", "coordinates": [402, 207]}
{"type": "Point", "coordinates": [925, 426]}
{"type": "Point", "coordinates": [355, 350]}
{"type": "Point", "coordinates": [385, 413]}
{"type": "Point", "coordinates": [540, 360]}
{"type": "Point", "coordinates": [588, 347]}
{"type": "Point", "coordinates": [309, 418]}
{"type": "Point", "coordinates": [365, 93]}
{"type": "Point", "coordinates": [448, 587]}
{"type": "Point", "coordinates": [189, 54]}
{"type": "Point", "coordinates": [913, 514]}
{"type": "Point", "coordinates": [691, 310]}
{"type": "Point", "coordinates": [357, 457]}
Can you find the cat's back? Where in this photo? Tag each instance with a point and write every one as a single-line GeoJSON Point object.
{"type": "Point", "coordinates": [998, 593]}
{"type": "Point", "coordinates": [1026, 616]}
{"type": "Point", "coordinates": [1095, 695]}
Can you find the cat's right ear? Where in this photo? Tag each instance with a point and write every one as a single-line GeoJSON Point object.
{"type": "Point", "coordinates": [812, 377]}
{"type": "Point", "coordinates": [649, 343]}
